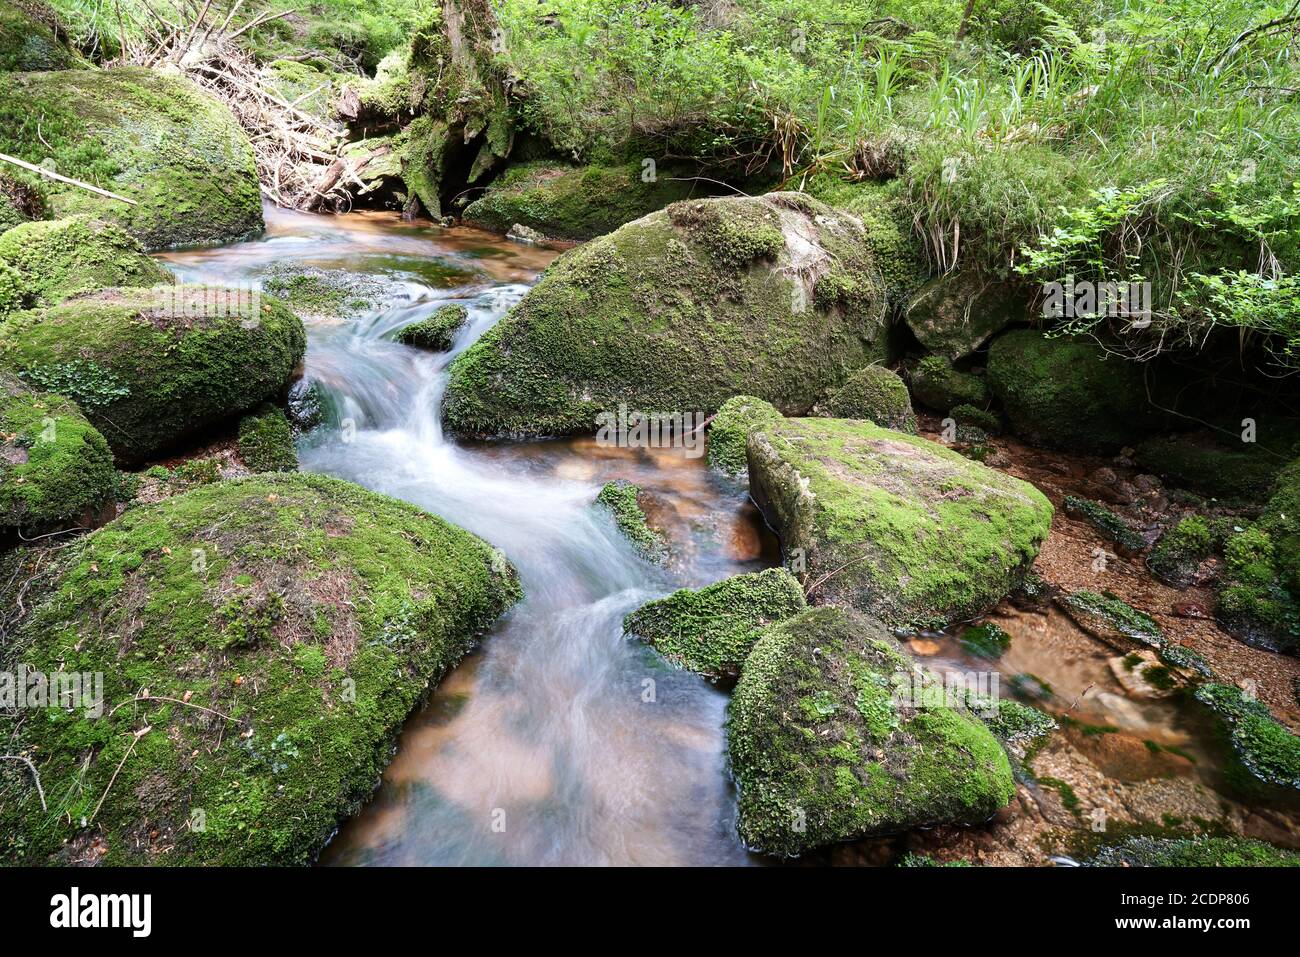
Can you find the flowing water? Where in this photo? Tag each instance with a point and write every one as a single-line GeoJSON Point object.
{"type": "Point", "coordinates": [559, 741]}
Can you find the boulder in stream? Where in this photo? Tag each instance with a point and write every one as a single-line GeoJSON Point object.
{"type": "Point", "coordinates": [777, 297]}
{"type": "Point", "coordinates": [739, 416]}
{"type": "Point", "coordinates": [897, 526]}
{"type": "Point", "coordinates": [151, 367]}
{"type": "Point", "coordinates": [436, 333]}
{"type": "Point", "coordinates": [824, 749]}
{"type": "Point", "coordinates": [259, 644]}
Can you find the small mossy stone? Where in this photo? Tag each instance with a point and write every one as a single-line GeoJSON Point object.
{"type": "Point", "coordinates": [892, 524]}
{"type": "Point", "coordinates": [972, 416]}
{"type": "Point", "coordinates": [436, 333]}
{"type": "Point", "coordinates": [1267, 749]}
{"type": "Point", "coordinates": [266, 441]}
{"type": "Point", "coordinates": [1255, 605]}
{"type": "Point", "coordinates": [1115, 529]}
{"type": "Point", "coordinates": [730, 429]}
{"type": "Point", "coordinates": [675, 313]}
{"type": "Point", "coordinates": [1180, 550]}
{"type": "Point", "coordinates": [316, 621]}
{"type": "Point", "coordinates": [1144, 851]}
{"type": "Point", "coordinates": [147, 374]}
{"type": "Point", "coordinates": [986, 640]}
{"type": "Point", "coordinates": [1240, 474]}
{"type": "Point", "coordinates": [711, 630]}
{"type": "Point", "coordinates": [1068, 393]}
{"type": "Point", "coordinates": [55, 468]}
{"type": "Point", "coordinates": [154, 137]}
{"type": "Point", "coordinates": [876, 394]}
{"type": "Point", "coordinates": [936, 384]}
{"type": "Point", "coordinates": [1019, 725]}
{"type": "Point", "coordinates": [1111, 619]}
{"type": "Point", "coordinates": [317, 292]}
{"type": "Point", "coordinates": [63, 257]}
{"type": "Point", "coordinates": [621, 499]}
{"type": "Point", "coordinates": [824, 751]}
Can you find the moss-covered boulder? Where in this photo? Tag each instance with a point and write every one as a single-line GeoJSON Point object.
{"type": "Point", "coordinates": [55, 467]}
{"type": "Point", "coordinates": [260, 643]}
{"type": "Point", "coordinates": [1019, 726]}
{"type": "Point", "coordinates": [1144, 851]}
{"type": "Point", "coordinates": [711, 630]}
{"type": "Point", "coordinates": [153, 137]}
{"type": "Point", "coordinates": [1203, 463]}
{"type": "Point", "coordinates": [729, 431]}
{"type": "Point", "coordinates": [266, 441]}
{"type": "Point", "coordinates": [1111, 619]}
{"type": "Point", "coordinates": [436, 333]}
{"type": "Point", "coordinates": [1255, 602]}
{"type": "Point", "coordinates": [955, 314]}
{"type": "Point", "coordinates": [1177, 556]}
{"type": "Point", "coordinates": [824, 748]}
{"type": "Point", "coordinates": [876, 394]}
{"type": "Point", "coordinates": [569, 202]}
{"type": "Point", "coordinates": [936, 384]}
{"type": "Point", "coordinates": [1068, 393]}
{"type": "Point", "coordinates": [904, 529]}
{"type": "Point", "coordinates": [151, 368]}
{"type": "Point", "coordinates": [60, 258]}
{"type": "Point", "coordinates": [1266, 748]}
{"type": "Point", "coordinates": [775, 297]}
{"type": "Point", "coordinates": [31, 38]}
{"type": "Point", "coordinates": [622, 500]}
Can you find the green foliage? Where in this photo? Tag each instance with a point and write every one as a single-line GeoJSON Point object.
{"type": "Point", "coordinates": [64, 257]}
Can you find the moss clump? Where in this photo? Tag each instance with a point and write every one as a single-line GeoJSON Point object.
{"type": "Point", "coordinates": [1265, 747]}
{"type": "Point", "coordinates": [937, 384]}
{"type": "Point", "coordinates": [437, 332]}
{"type": "Point", "coordinates": [1242, 474]}
{"type": "Point", "coordinates": [622, 500]}
{"type": "Point", "coordinates": [63, 257]}
{"type": "Point", "coordinates": [1281, 519]}
{"type": "Point", "coordinates": [1115, 529]}
{"type": "Point", "coordinates": [877, 394]}
{"type": "Point", "coordinates": [1111, 619]}
{"type": "Point", "coordinates": [905, 529]}
{"type": "Point", "coordinates": [1018, 724]}
{"type": "Point", "coordinates": [987, 640]}
{"type": "Point", "coordinates": [1067, 393]}
{"type": "Point", "coordinates": [954, 314]}
{"type": "Point", "coordinates": [30, 38]}
{"type": "Point", "coordinates": [711, 631]}
{"type": "Point", "coordinates": [145, 373]}
{"type": "Point", "coordinates": [1145, 851]}
{"type": "Point", "coordinates": [308, 615]}
{"type": "Point", "coordinates": [13, 290]}
{"type": "Point", "coordinates": [153, 137]}
{"type": "Point", "coordinates": [569, 202]}
{"type": "Point", "coordinates": [730, 429]}
{"type": "Point", "coordinates": [55, 467]}
{"type": "Point", "coordinates": [1255, 604]}
{"type": "Point", "coordinates": [973, 417]}
{"type": "Point", "coordinates": [1185, 659]}
{"type": "Point", "coordinates": [676, 312]}
{"type": "Point", "coordinates": [326, 293]}
{"type": "Point", "coordinates": [22, 199]}
{"type": "Point", "coordinates": [1178, 554]}
{"type": "Point", "coordinates": [266, 441]}
{"type": "Point", "coordinates": [824, 749]}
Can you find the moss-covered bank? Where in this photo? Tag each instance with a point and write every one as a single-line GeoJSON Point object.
{"type": "Point", "coordinates": [275, 632]}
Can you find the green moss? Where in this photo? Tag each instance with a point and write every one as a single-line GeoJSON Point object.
{"type": "Point", "coordinates": [711, 631]}
{"type": "Point", "coordinates": [954, 314]}
{"type": "Point", "coordinates": [61, 258]}
{"type": "Point", "coordinates": [1241, 474]}
{"type": "Point", "coordinates": [1110, 618]}
{"type": "Point", "coordinates": [266, 441]}
{"type": "Point", "coordinates": [153, 137]}
{"type": "Point", "coordinates": [1112, 527]}
{"type": "Point", "coordinates": [975, 417]}
{"type": "Point", "coordinates": [922, 860]}
{"type": "Point", "coordinates": [13, 290]}
{"type": "Point", "coordinates": [937, 384]}
{"type": "Point", "coordinates": [1068, 393]}
{"type": "Point", "coordinates": [568, 202]}
{"type": "Point", "coordinates": [147, 376]}
{"type": "Point", "coordinates": [876, 394]}
{"type": "Point", "coordinates": [1143, 851]}
{"type": "Point", "coordinates": [987, 640]}
{"type": "Point", "coordinates": [326, 293]}
{"type": "Point", "coordinates": [676, 312]}
{"type": "Point", "coordinates": [1069, 799]}
{"type": "Point", "coordinates": [1255, 603]}
{"type": "Point", "coordinates": [730, 429]}
{"type": "Point", "coordinates": [22, 198]}
{"type": "Point", "coordinates": [1185, 659]}
{"type": "Point", "coordinates": [1281, 519]}
{"type": "Point", "coordinates": [30, 40]}
{"type": "Point", "coordinates": [1178, 553]}
{"type": "Point", "coordinates": [1018, 724]}
{"type": "Point", "coordinates": [824, 751]}
{"type": "Point", "coordinates": [437, 332]}
{"type": "Point", "coordinates": [1266, 748]}
{"type": "Point", "coordinates": [55, 467]}
{"type": "Point", "coordinates": [307, 615]}
{"type": "Point", "coordinates": [893, 524]}
{"type": "Point", "coordinates": [621, 500]}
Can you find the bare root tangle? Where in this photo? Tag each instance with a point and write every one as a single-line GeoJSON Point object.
{"type": "Point", "coordinates": [300, 161]}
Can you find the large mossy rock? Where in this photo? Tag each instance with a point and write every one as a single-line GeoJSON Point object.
{"type": "Point", "coordinates": [30, 38]}
{"type": "Point", "coordinates": [897, 526]}
{"type": "Point", "coordinates": [954, 315]}
{"type": "Point", "coordinates": [776, 297]}
{"type": "Point", "coordinates": [276, 631]}
{"type": "Point", "coordinates": [711, 630]}
{"type": "Point", "coordinates": [55, 467]}
{"type": "Point", "coordinates": [876, 394]}
{"type": "Point", "coordinates": [63, 257]}
{"type": "Point", "coordinates": [824, 750]}
{"type": "Point", "coordinates": [567, 202]}
{"type": "Point", "coordinates": [153, 137]}
{"type": "Point", "coordinates": [1069, 393]}
{"type": "Point", "coordinates": [148, 374]}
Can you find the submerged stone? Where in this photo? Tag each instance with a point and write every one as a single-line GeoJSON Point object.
{"type": "Point", "coordinates": [274, 633]}
{"type": "Point", "coordinates": [824, 750]}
